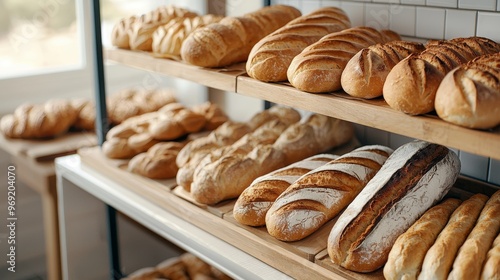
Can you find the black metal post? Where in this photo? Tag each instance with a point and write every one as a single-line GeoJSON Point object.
{"type": "Point", "coordinates": [267, 104]}
{"type": "Point", "coordinates": [102, 126]}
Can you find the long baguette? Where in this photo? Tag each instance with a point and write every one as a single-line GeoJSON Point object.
{"type": "Point", "coordinates": [254, 202]}
{"type": "Point", "coordinates": [319, 195]}
{"type": "Point", "coordinates": [491, 269]}
{"type": "Point", "coordinates": [318, 68]}
{"type": "Point", "coordinates": [270, 57]}
{"type": "Point", "coordinates": [414, 178]}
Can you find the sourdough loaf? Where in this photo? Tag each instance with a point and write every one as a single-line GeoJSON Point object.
{"type": "Point", "coordinates": [270, 57]}
{"type": "Point", "coordinates": [470, 94]}
{"type": "Point", "coordinates": [321, 194]}
{"type": "Point", "coordinates": [365, 73]}
{"type": "Point", "coordinates": [411, 85]}
{"type": "Point", "coordinates": [408, 252]}
{"type": "Point", "coordinates": [415, 177]}
{"type": "Point", "coordinates": [318, 68]}
{"type": "Point", "coordinates": [231, 39]}
{"type": "Point", "coordinates": [254, 202]}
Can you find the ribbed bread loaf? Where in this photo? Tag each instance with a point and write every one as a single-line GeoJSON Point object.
{"type": "Point", "coordinates": [491, 269]}
{"type": "Point", "coordinates": [414, 178]}
{"type": "Point", "coordinates": [231, 39]}
{"type": "Point", "coordinates": [321, 194]}
{"type": "Point", "coordinates": [318, 68]}
{"type": "Point", "coordinates": [270, 57]}
{"type": "Point", "coordinates": [469, 95]}
{"type": "Point", "coordinates": [411, 85]}
{"type": "Point", "coordinates": [472, 254]}
{"type": "Point", "coordinates": [408, 252]}
{"type": "Point", "coordinates": [365, 73]}
{"type": "Point", "coordinates": [254, 202]}
{"type": "Point", "coordinates": [120, 31]}
{"type": "Point", "coordinates": [439, 258]}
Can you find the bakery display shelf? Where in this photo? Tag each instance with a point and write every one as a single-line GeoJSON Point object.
{"type": "Point", "coordinates": [219, 78]}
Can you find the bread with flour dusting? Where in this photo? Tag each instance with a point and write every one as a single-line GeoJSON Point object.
{"type": "Point", "coordinates": [320, 195]}
{"type": "Point", "coordinates": [414, 178]}
{"type": "Point", "coordinates": [253, 204]}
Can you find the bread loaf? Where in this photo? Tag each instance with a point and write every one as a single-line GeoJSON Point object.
{"type": "Point", "coordinates": [158, 162]}
{"type": "Point", "coordinates": [469, 95]}
{"type": "Point", "coordinates": [415, 177]}
{"type": "Point", "coordinates": [173, 268]}
{"type": "Point", "coordinates": [472, 254]}
{"type": "Point", "coordinates": [408, 252]}
{"type": "Point", "coordinates": [174, 120]}
{"type": "Point", "coordinates": [365, 73]}
{"type": "Point", "coordinates": [321, 194]}
{"type": "Point", "coordinates": [439, 258]}
{"type": "Point", "coordinates": [318, 68]}
{"type": "Point", "coordinates": [491, 268]}
{"type": "Point", "coordinates": [270, 57]}
{"type": "Point", "coordinates": [254, 202]}
{"type": "Point", "coordinates": [411, 85]}
{"type": "Point", "coordinates": [120, 31]}
{"type": "Point", "coordinates": [85, 119]}
{"type": "Point", "coordinates": [34, 121]}
{"type": "Point", "coordinates": [231, 39]}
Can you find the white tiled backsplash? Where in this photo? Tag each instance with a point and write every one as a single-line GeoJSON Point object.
{"type": "Point", "coordinates": [421, 20]}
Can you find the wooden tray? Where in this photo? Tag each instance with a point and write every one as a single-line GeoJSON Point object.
{"type": "Point", "coordinates": [219, 209]}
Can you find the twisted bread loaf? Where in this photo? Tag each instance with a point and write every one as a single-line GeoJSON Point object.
{"type": "Point", "coordinates": [470, 94]}
{"type": "Point", "coordinates": [491, 269]}
{"type": "Point", "coordinates": [270, 57]}
{"type": "Point", "coordinates": [254, 202]}
{"type": "Point", "coordinates": [86, 114]}
{"type": "Point", "coordinates": [120, 33]}
{"type": "Point", "coordinates": [45, 120]}
{"type": "Point", "coordinates": [411, 85]}
{"type": "Point", "coordinates": [472, 254]}
{"type": "Point", "coordinates": [318, 68]}
{"type": "Point", "coordinates": [319, 195]}
{"type": "Point", "coordinates": [365, 73]}
{"type": "Point", "coordinates": [168, 38]}
{"type": "Point", "coordinates": [230, 40]}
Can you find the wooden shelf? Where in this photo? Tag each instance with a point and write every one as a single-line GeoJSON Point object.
{"type": "Point", "coordinates": [371, 113]}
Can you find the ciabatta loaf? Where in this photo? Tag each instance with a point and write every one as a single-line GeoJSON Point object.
{"type": "Point", "coordinates": [254, 202]}
{"type": "Point", "coordinates": [365, 73]}
{"type": "Point", "coordinates": [408, 252]}
{"type": "Point", "coordinates": [470, 94]}
{"type": "Point", "coordinates": [472, 254]}
{"type": "Point", "coordinates": [411, 85]}
{"type": "Point", "coordinates": [318, 68]}
{"type": "Point", "coordinates": [414, 178]}
{"type": "Point", "coordinates": [439, 258]}
{"type": "Point", "coordinates": [231, 39]}
{"type": "Point", "coordinates": [270, 57]}
{"type": "Point", "coordinates": [491, 268]}
{"type": "Point", "coordinates": [320, 195]}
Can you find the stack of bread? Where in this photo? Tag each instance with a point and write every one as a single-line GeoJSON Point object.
{"type": "Point", "coordinates": [184, 267]}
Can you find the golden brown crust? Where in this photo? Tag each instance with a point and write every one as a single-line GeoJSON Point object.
{"type": "Point", "coordinates": [158, 162]}
{"type": "Point", "coordinates": [491, 269]}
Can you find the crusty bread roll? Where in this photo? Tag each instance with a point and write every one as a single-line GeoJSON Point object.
{"type": "Point", "coordinates": [231, 39]}
{"type": "Point", "coordinates": [318, 68]}
{"type": "Point", "coordinates": [408, 252]}
{"type": "Point", "coordinates": [321, 194]}
{"type": "Point", "coordinates": [168, 38]}
{"type": "Point", "coordinates": [270, 57]}
{"type": "Point", "coordinates": [254, 202]}
{"type": "Point", "coordinates": [469, 95]}
{"type": "Point", "coordinates": [472, 254]}
{"type": "Point", "coordinates": [365, 73]}
{"type": "Point", "coordinates": [491, 268]}
{"type": "Point", "coordinates": [45, 120]}
{"type": "Point", "coordinates": [439, 258]}
{"type": "Point", "coordinates": [158, 162]}
{"type": "Point", "coordinates": [411, 85]}
{"type": "Point", "coordinates": [414, 178]}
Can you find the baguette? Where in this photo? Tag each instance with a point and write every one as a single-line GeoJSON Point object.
{"type": "Point", "coordinates": [408, 252]}
{"type": "Point", "coordinates": [491, 269]}
{"type": "Point", "coordinates": [230, 40]}
{"type": "Point", "coordinates": [439, 258]}
{"type": "Point", "coordinates": [318, 68]}
{"type": "Point", "coordinates": [319, 195]}
{"type": "Point", "coordinates": [469, 95]}
{"type": "Point", "coordinates": [411, 85]}
{"type": "Point", "coordinates": [254, 202]}
{"type": "Point", "coordinates": [270, 57]}
{"type": "Point", "coordinates": [365, 73]}
{"type": "Point", "coordinates": [472, 254]}
{"type": "Point", "coordinates": [415, 177]}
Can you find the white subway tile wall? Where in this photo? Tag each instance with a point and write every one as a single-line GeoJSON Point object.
{"type": "Point", "coordinates": [420, 20]}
